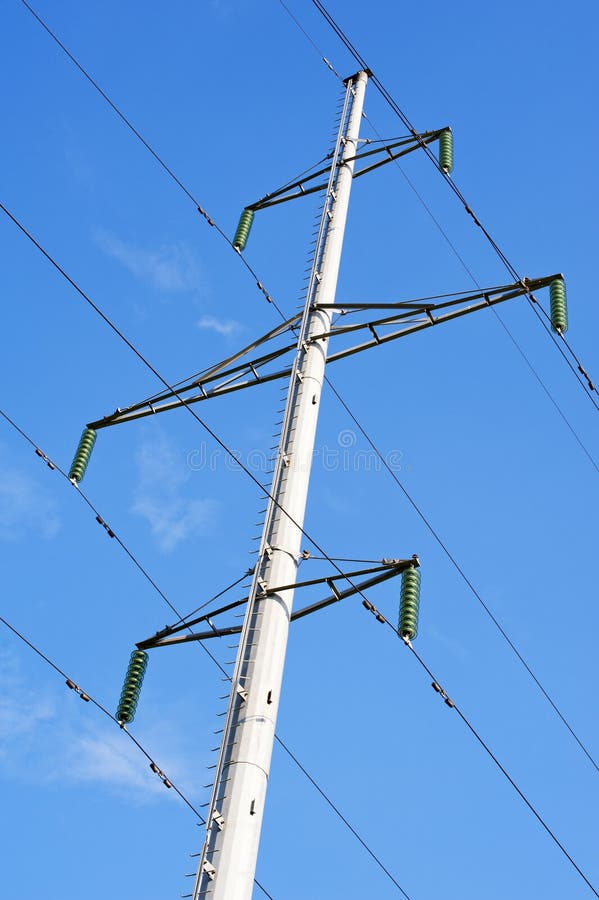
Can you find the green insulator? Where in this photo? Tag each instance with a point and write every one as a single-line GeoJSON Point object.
{"type": "Point", "coordinates": [132, 687]}
{"type": "Point", "coordinates": [559, 308]}
{"type": "Point", "coordinates": [409, 602]}
{"type": "Point", "coordinates": [84, 451]}
{"type": "Point", "coordinates": [446, 150]}
{"type": "Point", "coordinates": [243, 229]}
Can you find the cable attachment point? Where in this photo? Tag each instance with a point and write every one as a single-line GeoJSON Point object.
{"type": "Point", "coordinates": [375, 612]}
{"type": "Point", "coordinates": [44, 458]}
{"type": "Point", "coordinates": [106, 527]}
{"type": "Point", "coordinates": [206, 216]}
{"type": "Point", "coordinates": [75, 687]}
{"type": "Point", "coordinates": [160, 774]}
{"type": "Point", "coordinates": [439, 690]}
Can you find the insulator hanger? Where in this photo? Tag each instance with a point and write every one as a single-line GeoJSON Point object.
{"type": "Point", "coordinates": [414, 316]}
{"type": "Point", "coordinates": [390, 568]}
{"type": "Point", "coordinates": [409, 602]}
{"type": "Point", "coordinates": [295, 189]}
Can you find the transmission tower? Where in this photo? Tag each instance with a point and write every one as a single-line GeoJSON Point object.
{"type": "Point", "coordinates": [227, 860]}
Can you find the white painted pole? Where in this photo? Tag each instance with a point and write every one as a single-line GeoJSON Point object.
{"type": "Point", "coordinates": [228, 860]}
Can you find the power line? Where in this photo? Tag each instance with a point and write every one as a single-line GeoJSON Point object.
{"type": "Point", "coordinates": [53, 466]}
{"type": "Point", "coordinates": [453, 705]}
{"type": "Point", "coordinates": [340, 399]}
{"type": "Point", "coordinates": [159, 159]}
{"type": "Point", "coordinates": [534, 304]}
{"type": "Point", "coordinates": [590, 387]}
{"type": "Point", "coordinates": [168, 782]}
{"type": "Point", "coordinates": [462, 574]}
{"type": "Point", "coordinates": [332, 805]}
{"type": "Point", "coordinates": [248, 472]}
{"type": "Point", "coordinates": [415, 506]}
{"type": "Point", "coordinates": [338, 812]}
{"type": "Point", "coordinates": [188, 193]}
{"type": "Point", "coordinates": [97, 310]}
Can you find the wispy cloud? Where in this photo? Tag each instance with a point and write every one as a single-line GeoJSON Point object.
{"type": "Point", "coordinates": [22, 710]}
{"type": "Point", "coordinates": [45, 741]}
{"type": "Point", "coordinates": [25, 506]}
{"type": "Point", "coordinates": [173, 516]}
{"type": "Point", "coordinates": [225, 327]}
{"type": "Point", "coordinates": [170, 268]}
{"type": "Point", "coordinates": [95, 756]}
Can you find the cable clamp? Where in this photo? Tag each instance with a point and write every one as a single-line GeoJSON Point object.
{"type": "Point", "coordinates": [44, 458]}
{"type": "Point", "coordinates": [75, 687]}
{"type": "Point", "coordinates": [439, 690]}
{"type": "Point", "coordinates": [207, 217]}
{"type": "Point", "coordinates": [160, 774]}
{"type": "Point", "coordinates": [107, 529]}
{"type": "Point", "coordinates": [375, 612]}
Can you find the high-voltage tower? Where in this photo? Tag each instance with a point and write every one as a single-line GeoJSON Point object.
{"type": "Point", "coordinates": [227, 860]}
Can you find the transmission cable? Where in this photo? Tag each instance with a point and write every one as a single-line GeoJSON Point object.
{"type": "Point", "coordinates": [46, 27]}
{"type": "Point", "coordinates": [188, 193]}
{"type": "Point", "coordinates": [220, 231]}
{"type": "Point", "coordinates": [53, 466]}
{"type": "Point", "coordinates": [88, 698]}
{"type": "Point", "coordinates": [590, 387]}
{"type": "Point", "coordinates": [436, 685]}
{"type": "Point", "coordinates": [211, 222]}
{"type": "Point", "coordinates": [241, 465]}
{"type": "Point", "coordinates": [461, 572]}
{"type": "Point", "coordinates": [415, 506]}
{"type": "Point", "coordinates": [159, 159]}
{"type": "Point", "coordinates": [475, 281]}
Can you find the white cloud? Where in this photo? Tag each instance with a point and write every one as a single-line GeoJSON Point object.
{"type": "Point", "coordinates": [22, 710]}
{"type": "Point", "coordinates": [171, 268]}
{"type": "Point", "coordinates": [25, 506]}
{"type": "Point", "coordinates": [110, 759]}
{"type": "Point", "coordinates": [48, 737]}
{"type": "Point", "coordinates": [173, 515]}
{"type": "Point", "coordinates": [225, 327]}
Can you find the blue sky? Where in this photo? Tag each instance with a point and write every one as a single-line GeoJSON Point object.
{"type": "Point", "coordinates": [236, 101]}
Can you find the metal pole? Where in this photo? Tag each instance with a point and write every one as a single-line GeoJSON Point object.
{"type": "Point", "coordinates": [228, 858]}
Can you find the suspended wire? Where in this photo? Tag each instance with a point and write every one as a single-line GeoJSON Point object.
{"type": "Point", "coordinates": [338, 812]}
{"type": "Point", "coordinates": [88, 697]}
{"type": "Point", "coordinates": [470, 273]}
{"type": "Point", "coordinates": [100, 519]}
{"type": "Point", "coordinates": [168, 782]}
{"type": "Point", "coordinates": [498, 315]}
{"type": "Point", "coordinates": [53, 466]}
{"type": "Point", "coordinates": [393, 474]}
{"type": "Point", "coordinates": [159, 159]}
{"type": "Point", "coordinates": [327, 63]}
{"type": "Point", "coordinates": [417, 509]}
{"type": "Point", "coordinates": [215, 597]}
{"type": "Point", "coordinates": [450, 702]}
{"type": "Point", "coordinates": [243, 468]}
{"type": "Point", "coordinates": [282, 743]}
{"type": "Point", "coordinates": [590, 388]}
{"type": "Point", "coordinates": [461, 572]}
{"type": "Point", "coordinates": [211, 222]}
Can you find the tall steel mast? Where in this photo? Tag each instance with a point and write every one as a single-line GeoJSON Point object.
{"type": "Point", "coordinates": [228, 859]}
